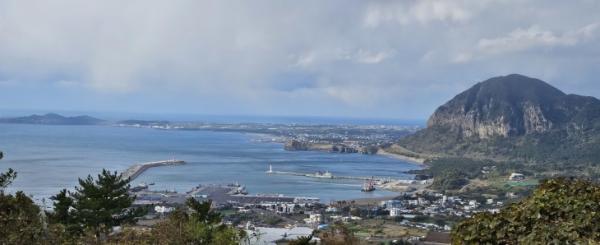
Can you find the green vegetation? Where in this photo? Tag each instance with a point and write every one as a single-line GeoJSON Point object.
{"type": "Point", "coordinates": [560, 211]}
{"type": "Point", "coordinates": [513, 118]}
{"type": "Point", "coordinates": [303, 240]}
{"type": "Point", "coordinates": [88, 215]}
{"type": "Point", "coordinates": [97, 205]}
{"type": "Point", "coordinates": [519, 123]}
{"type": "Point", "coordinates": [200, 226]}
{"type": "Point", "coordinates": [20, 221]}
{"type": "Point", "coordinates": [7, 178]}
{"type": "Point", "coordinates": [454, 173]}
{"type": "Point", "coordinates": [338, 234]}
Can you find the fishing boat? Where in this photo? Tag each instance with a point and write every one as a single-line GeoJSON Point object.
{"type": "Point", "coordinates": [368, 185]}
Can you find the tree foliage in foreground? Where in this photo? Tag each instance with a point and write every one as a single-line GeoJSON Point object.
{"type": "Point", "coordinates": [88, 215]}
{"type": "Point", "coordinates": [7, 178]}
{"type": "Point", "coordinates": [20, 221]}
{"type": "Point", "coordinates": [560, 211]}
{"type": "Point", "coordinates": [303, 240]}
{"type": "Point", "coordinates": [96, 205]}
{"type": "Point", "coordinates": [201, 225]}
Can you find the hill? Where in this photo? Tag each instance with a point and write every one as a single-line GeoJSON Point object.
{"type": "Point", "coordinates": [53, 119]}
{"type": "Point", "coordinates": [513, 117]}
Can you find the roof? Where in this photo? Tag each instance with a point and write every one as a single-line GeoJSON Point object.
{"type": "Point", "coordinates": [434, 237]}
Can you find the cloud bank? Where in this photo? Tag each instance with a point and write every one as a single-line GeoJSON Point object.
{"type": "Point", "coordinates": [396, 59]}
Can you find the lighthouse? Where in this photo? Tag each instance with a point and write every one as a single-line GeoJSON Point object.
{"type": "Point", "coordinates": [270, 169]}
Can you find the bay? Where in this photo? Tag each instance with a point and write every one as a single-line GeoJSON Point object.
{"type": "Point", "coordinates": [50, 158]}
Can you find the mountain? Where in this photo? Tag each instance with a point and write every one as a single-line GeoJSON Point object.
{"type": "Point", "coordinates": [53, 119]}
{"type": "Point", "coordinates": [513, 117]}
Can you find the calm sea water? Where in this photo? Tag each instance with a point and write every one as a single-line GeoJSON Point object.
{"type": "Point", "coordinates": [49, 158]}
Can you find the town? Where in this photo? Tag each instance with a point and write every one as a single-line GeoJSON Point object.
{"type": "Point", "coordinates": [412, 216]}
{"type": "Point", "coordinates": [366, 139]}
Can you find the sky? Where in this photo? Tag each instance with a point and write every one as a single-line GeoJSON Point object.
{"type": "Point", "coordinates": [364, 59]}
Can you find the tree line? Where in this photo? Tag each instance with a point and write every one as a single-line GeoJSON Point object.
{"type": "Point", "coordinates": [89, 214]}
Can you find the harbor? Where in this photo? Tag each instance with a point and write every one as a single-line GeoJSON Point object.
{"type": "Point", "coordinates": [222, 196]}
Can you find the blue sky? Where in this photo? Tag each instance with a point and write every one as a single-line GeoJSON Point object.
{"type": "Point", "coordinates": [374, 59]}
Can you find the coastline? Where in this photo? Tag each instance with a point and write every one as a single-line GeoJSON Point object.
{"type": "Point", "coordinates": [265, 137]}
{"type": "Point", "coordinates": [413, 160]}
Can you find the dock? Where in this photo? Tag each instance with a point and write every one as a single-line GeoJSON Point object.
{"type": "Point", "coordinates": [328, 175]}
{"type": "Point", "coordinates": [316, 175]}
{"type": "Point", "coordinates": [139, 168]}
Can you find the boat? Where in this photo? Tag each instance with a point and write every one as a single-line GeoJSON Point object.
{"type": "Point", "coordinates": [369, 185]}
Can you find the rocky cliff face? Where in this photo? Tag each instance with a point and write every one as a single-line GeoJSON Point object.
{"type": "Point", "coordinates": [506, 106]}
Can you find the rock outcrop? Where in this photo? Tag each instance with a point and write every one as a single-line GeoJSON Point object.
{"type": "Point", "coordinates": [513, 117]}
{"type": "Point", "coordinates": [296, 145]}
{"type": "Point", "coordinates": [511, 105]}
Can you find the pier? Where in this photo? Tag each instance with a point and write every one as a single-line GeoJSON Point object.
{"type": "Point", "coordinates": [327, 175]}
{"type": "Point", "coordinates": [137, 169]}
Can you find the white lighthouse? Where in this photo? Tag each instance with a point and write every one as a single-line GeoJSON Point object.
{"type": "Point", "coordinates": [270, 169]}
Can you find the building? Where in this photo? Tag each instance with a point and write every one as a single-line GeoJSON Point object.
{"type": "Point", "coordinates": [436, 238]}
{"type": "Point", "coordinates": [163, 209]}
{"type": "Point", "coordinates": [314, 219]}
{"type": "Point", "coordinates": [516, 177]}
{"type": "Point", "coordinates": [395, 212]}
{"type": "Point", "coordinates": [389, 204]}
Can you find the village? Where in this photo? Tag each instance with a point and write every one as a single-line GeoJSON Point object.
{"type": "Point", "coordinates": [275, 219]}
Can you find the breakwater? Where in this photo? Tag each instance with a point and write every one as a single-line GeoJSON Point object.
{"type": "Point", "coordinates": [137, 169]}
{"type": "Point", "coordinates": [330, 176]}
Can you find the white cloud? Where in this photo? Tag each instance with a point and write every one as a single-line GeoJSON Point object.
{"type": "Point", "coordinates": [359, 56]}
{"type": "Point", "coordinates": [525, 39]}
{"type": "Point", "coordinates": [368, 57]}
{"type": "Point", "coordinates": [423, 12]}
{"type": "Point", "coordinates": [249, 55]}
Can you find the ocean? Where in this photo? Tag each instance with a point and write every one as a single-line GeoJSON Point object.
{"type": "Point", "coordinates": [50, 158]}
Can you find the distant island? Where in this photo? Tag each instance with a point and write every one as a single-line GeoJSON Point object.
{"type": "Point", "coordinates": [54, 119]}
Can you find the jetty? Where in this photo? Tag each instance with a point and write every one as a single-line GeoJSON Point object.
{"type": "Point", "coordinates": [139, 168]}
{"type": "Point", "coordinates": [329, 175]}
{"type": "Point", "coordinates": [324, 175]}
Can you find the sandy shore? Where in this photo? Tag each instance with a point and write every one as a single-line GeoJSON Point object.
{"type": "Point", "coordinates": [414, 160]}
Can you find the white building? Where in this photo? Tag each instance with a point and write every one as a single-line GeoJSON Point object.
{"type": "Point", "coordinates": [516, 177]}
{"type": "Point", "coordinates": [163, 209]}
{"type": "Point", "coordinates": [389, 204]}
{"type": "Point", "coordinates": [313, 219]}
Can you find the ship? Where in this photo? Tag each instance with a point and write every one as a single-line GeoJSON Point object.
{"type": "Point", "coordinates": [369, 185]}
